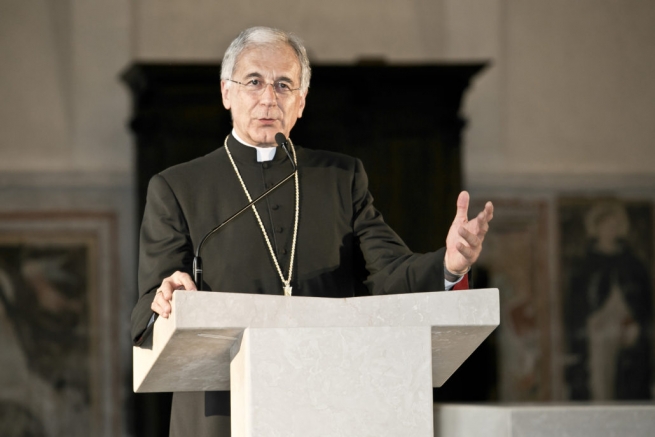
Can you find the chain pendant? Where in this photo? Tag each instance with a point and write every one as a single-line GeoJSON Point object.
{"type": "Point", "coordinates": [285, 282]}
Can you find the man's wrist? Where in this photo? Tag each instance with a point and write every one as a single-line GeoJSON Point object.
{"type": "Point", "coordinates": [453, 277]}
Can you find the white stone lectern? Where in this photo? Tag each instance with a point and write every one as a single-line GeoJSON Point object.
{"type": "Point", "coordinates": [303, 366]}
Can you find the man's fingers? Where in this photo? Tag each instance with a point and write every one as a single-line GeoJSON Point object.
{"type": "Point", "coordinates": [467, 252]}
{"type": "Point", "coordinates": [469, 245]}
{"type": "Point", "coordinates": [177, 281]}
{"type": "Point", "coordinates": [166, 289]}
{"type": "Point", "coordinates": [480, 225]}
{"type": "Point", "coordinates": [487, 213]}
{"type": "Point", "coordinates": [483, 224]}
{"type": "Point", "coordinates": [471, 239]}
{"type": "Point", "coordinates": [187, 282]}
{"type": "Point", "coordinates": [489, 210]}
{"type": "Point", "coordinates": [183, 281]}
{"type": "Point", "coordinates": [161, 305]}
{"type": "Point", "coordinates": [464, 240]}
{"type": "Point", "coordinates": [462, 206]}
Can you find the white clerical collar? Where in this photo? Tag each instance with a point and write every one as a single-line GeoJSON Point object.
{"type": "Point", "coordinates": [263, 153]}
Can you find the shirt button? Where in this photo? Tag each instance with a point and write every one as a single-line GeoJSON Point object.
{"type": "Point", "coordinates": [275, 207]}
{"type": "Point", "coordinates": [279, 230]}
{"type": "Point", "coordinates": [284, 251]}
{"type": "Point", "coordinates": [266, 165]}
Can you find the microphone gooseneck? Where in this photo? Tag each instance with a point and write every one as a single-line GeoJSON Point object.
{"type": "Point", "coordinates": [282, 141]}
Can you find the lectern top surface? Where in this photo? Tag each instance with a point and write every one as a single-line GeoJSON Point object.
{"type": "Point", "coordinates": [223, 310]}
{"type": "Point", "coordinates": [192, 350]}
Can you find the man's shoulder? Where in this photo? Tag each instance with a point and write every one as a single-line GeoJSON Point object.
{"type": "Point", "coordinates": [194, 168]}
{"type": "Point", "coordinates": [325, 158]}
{"type": "Point", "coordinates": [188, 176]}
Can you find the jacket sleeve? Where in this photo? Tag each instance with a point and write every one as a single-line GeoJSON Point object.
{"type": "Point", "coordinates": [164, 247]}
{"type": "Point", "coordinates": [392, 267]}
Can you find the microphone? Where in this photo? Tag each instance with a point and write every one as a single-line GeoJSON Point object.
{"type": "Point", "coordinates": [281, 141]}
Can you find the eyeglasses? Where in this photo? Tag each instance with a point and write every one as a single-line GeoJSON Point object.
{"type": "Point", "coordinates": [257, 86]}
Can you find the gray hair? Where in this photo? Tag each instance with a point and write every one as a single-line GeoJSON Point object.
{"type": "Point", "coordinates": [259, 36]}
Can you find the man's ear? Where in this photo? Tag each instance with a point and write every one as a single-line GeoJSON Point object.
{"type": "Point", "coordinates": [225, 93]}
{"type": "Point", "coordinates": [301, 107]}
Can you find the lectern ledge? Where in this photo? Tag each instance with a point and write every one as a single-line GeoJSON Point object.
{"type": "Point", "coordinates": [362, 366]}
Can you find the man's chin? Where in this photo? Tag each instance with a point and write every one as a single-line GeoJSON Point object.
{"type": "Point", "coordinates": [266, 137]}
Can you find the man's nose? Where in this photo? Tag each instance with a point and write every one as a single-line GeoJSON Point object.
{"type": "Point", "coordinates": [269, 95]}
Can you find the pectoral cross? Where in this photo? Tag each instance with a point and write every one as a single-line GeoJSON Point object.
{"type": "Point", "coordinates": [287, 290]}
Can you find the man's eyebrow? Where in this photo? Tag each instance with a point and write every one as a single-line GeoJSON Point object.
{"type": "Point", "coordinates": [256, 75]}
{"type": "Point", "coordinates": [253, 75]}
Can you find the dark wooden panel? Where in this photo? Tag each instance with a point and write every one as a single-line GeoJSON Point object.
{"type": "Point", "coordinates": [403, 122]}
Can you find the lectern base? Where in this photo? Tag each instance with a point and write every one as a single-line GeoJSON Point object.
{"type": "Point", "coordinates": [306, 366]}
{"type": "Point", "coordinates": [545, 420]}
{"type": "Point", "coordinates": [329, 382]}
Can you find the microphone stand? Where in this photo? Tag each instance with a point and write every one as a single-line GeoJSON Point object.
{"type": "Point", "coordinates": [197, 260]}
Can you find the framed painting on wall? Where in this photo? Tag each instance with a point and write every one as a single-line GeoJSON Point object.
{"type": "Point", "coordinates": [59, 347]}
{"type": "Point", "coordinates": [515, 260]}
{"type": "Point", "coordinates": [606, 277]}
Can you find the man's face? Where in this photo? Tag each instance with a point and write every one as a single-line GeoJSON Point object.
{"type": "Point", "coordinates": [257, 118]}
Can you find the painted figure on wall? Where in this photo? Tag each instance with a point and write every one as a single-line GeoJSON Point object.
{"type": "Point", "coordinates": [44, 341]}
{"type": "Point", "coordinates": [608, 311]}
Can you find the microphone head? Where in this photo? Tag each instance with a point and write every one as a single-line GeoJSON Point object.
{"type": "Point", "coordinates": [280, 139]}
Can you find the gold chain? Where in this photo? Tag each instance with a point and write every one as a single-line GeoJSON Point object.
{"type": "Point", "coordinates": [285, 282]}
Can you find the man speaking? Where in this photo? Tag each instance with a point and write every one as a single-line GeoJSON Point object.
{"type": "Point", "coordinates": [317, 235]}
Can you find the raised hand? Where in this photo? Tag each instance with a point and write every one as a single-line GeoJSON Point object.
{"type": "Point", "coordinates": [465, 237]}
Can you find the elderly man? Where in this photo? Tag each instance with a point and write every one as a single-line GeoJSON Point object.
{"type": "Point", "coordinates": [316, 236]}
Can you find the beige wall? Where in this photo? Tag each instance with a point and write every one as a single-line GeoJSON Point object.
{"type": "Point", "coordinates": [63, 108]}
{"type": "Point", "coordinates": [570, 91]}
{"type": "Point", "coordinates": [576, 94]}
{"type": "Point", "coordinates": [339, 30]}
